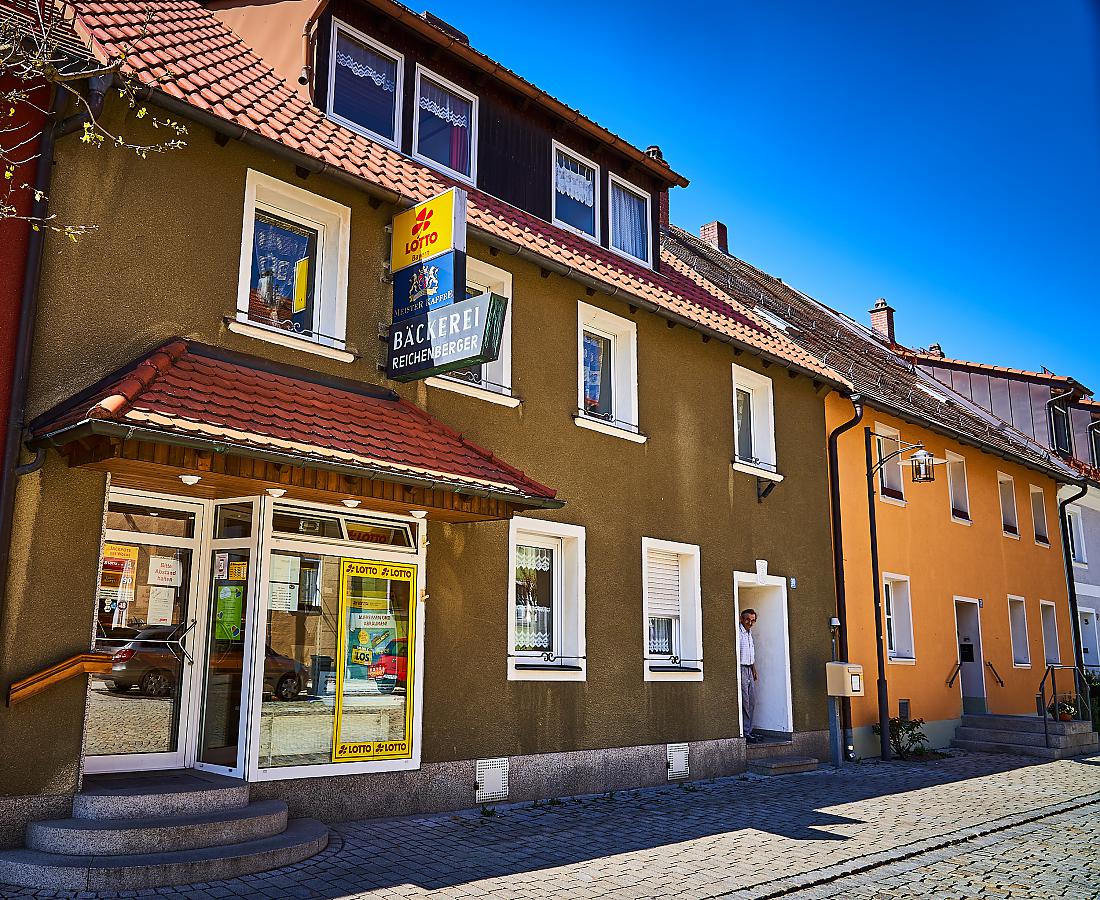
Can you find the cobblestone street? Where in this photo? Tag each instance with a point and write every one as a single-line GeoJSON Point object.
{"type": "Point", "coordinates": [972, 825]}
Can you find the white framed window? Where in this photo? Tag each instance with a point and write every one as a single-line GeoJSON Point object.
{"type": "Point", "coordinates": [576, 192]}
{"type": "Point", "coordinates": [445, 126]}
{"type": "Point", "coordinates": [957, 487]}
{"type": "Point", "coordinates": [672, 618]}
{"type": "Point", "coordinates": [1039, 515]}
{"type": "Point", "coordinates": [1017, 629]}
{"type": "Point", "coordinates": [1094, 434]}
{"type": "Point", "coordinates": [754, 424]}
{"type": "Point", "coordinates": [897, 611]}
{"type": "Point", "coordinates": [1076, 536]}
{"type": "Point", "coordinates": [546, 601]}
{"type": "Point", "coordinates": [1049, 616]}
{"type": "Point", "coordinates": [490, 381]}
{"type": "Point", "coordinates": [293, 283]}
{"type": "Point", "coordinates": [365, 80]}
{"type": "Point", "coordinates": [891, 480]}
{"type": "Point", "coordinates": [1010, 523]}
{"type": "Point", "coordinates": [607, 373]}
{"type": "Point", "coordinates": [630, 220]}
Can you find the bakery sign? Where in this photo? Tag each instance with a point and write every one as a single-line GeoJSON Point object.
{"type": "Point", "coordinates": [436, 327]}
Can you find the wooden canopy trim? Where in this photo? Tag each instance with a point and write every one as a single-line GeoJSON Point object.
{"type": "Point", "coordinates": [151, 465]}
{"type": "Point", "coordinates": [81, 664]}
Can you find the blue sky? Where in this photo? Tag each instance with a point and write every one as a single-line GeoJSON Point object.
{"type": "Point", "coordinates": [944, 154]}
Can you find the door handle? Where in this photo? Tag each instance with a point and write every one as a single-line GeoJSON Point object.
{"type": "Point", "coordinates": [179, 642]}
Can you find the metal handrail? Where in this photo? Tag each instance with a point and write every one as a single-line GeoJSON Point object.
{"type": "Point", "coordinates": [954, 674]}
{"type": "Point", "coordinates": [1000, 680]}
{"type": "Point", "coordinates": [1083, 706]}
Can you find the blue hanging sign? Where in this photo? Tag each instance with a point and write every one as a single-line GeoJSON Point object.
{"type": "Point", "coordinates": [425, 286]}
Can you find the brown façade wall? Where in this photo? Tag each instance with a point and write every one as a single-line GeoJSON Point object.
{"type": "Point", "coordinates": [165, 262]}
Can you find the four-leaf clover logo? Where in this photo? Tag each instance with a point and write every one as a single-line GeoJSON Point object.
{"type": "Point", "coordinates": [423, 221]}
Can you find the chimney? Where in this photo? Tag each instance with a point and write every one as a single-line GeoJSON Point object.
{"type": "Point", "coordinates": [882, 319]}
{"type": "Point", "coordinates": [654, 152]}
{"type": "Point", "coordinates": [936, 350]}
{"type": "Point", "coordinates": [714, 233]}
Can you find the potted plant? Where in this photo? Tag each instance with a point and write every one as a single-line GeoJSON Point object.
{"type": "Point", "coordinates": [1063, 708]}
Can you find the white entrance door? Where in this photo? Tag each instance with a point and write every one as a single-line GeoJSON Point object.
{"type": "Point", "coordinates": [1090, 653]}
{"type": "Point", "coordinates": [971, 666]}
{"type": "Point", "coordinates": [767, 596]}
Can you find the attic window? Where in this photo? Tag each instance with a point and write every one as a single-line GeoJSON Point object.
{"type": "Point", "coordinates": [1060, 430]}
{"type": "Point", "coordinates": [629, 220]}
{"type": "Point", "coordinates": [445, 126]}
{"type": "Point", "coordinates": [365, 85]}
{"type": "Point", "coordinates": [576, 192]}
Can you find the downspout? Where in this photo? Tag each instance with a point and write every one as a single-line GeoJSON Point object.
{"type": "Point", "coordinates": [1063, 521]}
{"type": "Point", "coordinates": [28, 310]}
{"type": "Point", "coordinates": [306, 76]}
{"type": "Point", "coordinates": [838, 553]}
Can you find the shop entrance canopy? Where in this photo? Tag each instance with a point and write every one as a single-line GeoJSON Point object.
{"type": "Point", "coordinates": [245, 424]}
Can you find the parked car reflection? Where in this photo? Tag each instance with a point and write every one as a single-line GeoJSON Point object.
{"type": "Point", "coordinates": [151, 663]}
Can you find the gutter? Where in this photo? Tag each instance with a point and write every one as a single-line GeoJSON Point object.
{"type": "Point", "coordinates": [1067, 559]}
{"type": "Point", "coordinates": [838, 550]}
{"type": "Point", "coordinates": [131, 432]}
{"type": "Point", "coordinates": [301, 160]}
{"type": "Point", "coordinates": [28, 313]}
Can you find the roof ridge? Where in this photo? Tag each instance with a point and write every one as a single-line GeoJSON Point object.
{"type": "Point", "coordinates": [139, 380]}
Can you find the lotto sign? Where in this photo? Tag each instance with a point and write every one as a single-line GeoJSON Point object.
{"type": "Point", "coordinates": [429, 229]}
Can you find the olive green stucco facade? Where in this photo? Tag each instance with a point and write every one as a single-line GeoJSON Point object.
{"type": "Point", "coordinates": [165, 262]}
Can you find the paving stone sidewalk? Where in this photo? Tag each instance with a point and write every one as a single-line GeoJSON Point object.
{"type": "Point", "coordinates": [742, 837]}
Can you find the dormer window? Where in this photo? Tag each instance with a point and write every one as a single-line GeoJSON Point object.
{"type": "Point", "coordinates": [629, 220]}
{"type": "Point", "coordinates": [365, 85]}
{"type": "Point", "coordinates": [576, 192]}
{"type": "Point", "coordinates": [1060, 430]}
{"type": "Point", "coordinates": [445, 126]}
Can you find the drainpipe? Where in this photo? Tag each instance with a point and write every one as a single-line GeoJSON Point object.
{"type": "Point", "coordinates": [28, 309]}
{"type": "Point", "coordinates": [838, 555]}
{"type": "Point", "coordinates": [1063, 521]}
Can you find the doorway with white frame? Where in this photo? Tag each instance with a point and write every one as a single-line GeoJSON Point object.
{"type": "Point", "coordinates": [767, 596]}
{"type": "Point", "coordinates": [968, 629]}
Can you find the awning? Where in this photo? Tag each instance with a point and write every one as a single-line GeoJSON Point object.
{"type": "Point", "coordinates": [238, 420]}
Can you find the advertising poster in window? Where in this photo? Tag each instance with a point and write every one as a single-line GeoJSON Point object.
{"type": "Point", "coordinates": [374, 706]}
{"type": "Point", "coordinates": [117, 582]}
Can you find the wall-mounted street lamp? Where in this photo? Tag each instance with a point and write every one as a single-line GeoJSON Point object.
{"type": "Point", "coordinates": [923, 466]}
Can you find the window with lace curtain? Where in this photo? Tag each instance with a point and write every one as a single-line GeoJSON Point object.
{"type": "Point", "coordinates": [365, 84]}
{"type": "Point", "coordinates": [629, 220]}
{"type": "Point", "coordinates": [445, 125]}
{"type": "Point", "coordinates": [576, 192]}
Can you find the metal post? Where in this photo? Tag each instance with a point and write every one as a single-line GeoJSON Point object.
{"type": "Point", "coordinates": [834, 720]}
{"type": "Point", "coordinates": [880, 652]}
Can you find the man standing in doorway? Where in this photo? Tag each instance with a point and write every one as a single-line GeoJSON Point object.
{"type": "Point", "coordinates": [746, 651]}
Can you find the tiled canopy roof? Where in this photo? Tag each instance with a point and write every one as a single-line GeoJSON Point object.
{"type": "Point", "coordinates": [214, 71]}
{"type": "Point", "coordinates": [192, 391]}
{"type": "Point", "coordinates": [885, 379]}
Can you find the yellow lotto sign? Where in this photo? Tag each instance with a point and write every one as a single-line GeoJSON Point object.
{"type": "Point", "coordinates": [428, 229]}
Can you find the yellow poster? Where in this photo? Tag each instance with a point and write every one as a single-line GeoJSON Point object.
{"type": "Point", "coordinates": [301, 284]}
{"type": "Point", "coordinates": [375, 661]}
{"type": "Point", "coordinates": [428, 229]}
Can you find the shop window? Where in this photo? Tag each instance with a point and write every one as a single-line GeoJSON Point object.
{"type": "Point", "coordinates": [233, 520]}
{"type": "Point", "coordinates": [1007, 489]}
{"type": "Point", "coordinates": [365, 80]}
{"type": "Point", "coordinates": [1051, 651]}
{"type": "Point", "coordinates": [445, 126]}
{"type": "Point", "coordinates": [287, 521]}
{"type": "Point", "coordinates": [1060, 430]}
{"type": "Point", "coordinates": [1017, 627]}
{"type": "Point", "coordinates": [753, 421]}
{"type": "Point", "coordinates": [957, 487]}
{"type": "Point", "coordinates": [1039, 515]}
{"type": "Point", "coordinates": [607, 373]}
{"type": "Point", "coordinates": [1076, 531]}
{"type": "Point", "coordinates": [576, 192]}
{"type": "Point", "coordinates": [546, 601]}
{"type": "Point", "coordinates": [150, 519]}
{"type": "Point", "coordinates": [490, 381]}
{"type": "Point", "coordinates": [294, 259]}
{"type": "Point", "coordinates": [630, 220]}
{"type": "Point", "coordinates": [382, 532]}
{"type": "Point", "coordinates": [672, 611]}
{"type": "Point", "coordinates": [898, 617]}
{"type": "Point", "coordinates": [891, 481]}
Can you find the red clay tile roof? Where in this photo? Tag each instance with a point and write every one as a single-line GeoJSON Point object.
{"type": "Point", "coordinates": [188, 389]}
{"type": "Point", "coordinates": [216, 72]}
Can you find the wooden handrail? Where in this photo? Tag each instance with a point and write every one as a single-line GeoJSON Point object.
{"type": "Point", "coordinates": [81, 664]}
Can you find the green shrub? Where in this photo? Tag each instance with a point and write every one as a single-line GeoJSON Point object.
{"type": "Point", "coordinates": [907, 736]}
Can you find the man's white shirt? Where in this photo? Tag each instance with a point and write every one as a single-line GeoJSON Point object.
{"type": "Point", "coordinates": [746, 649]}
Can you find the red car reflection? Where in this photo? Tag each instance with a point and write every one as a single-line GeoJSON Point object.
{"type": "Point", "coordinates": [389, 670]}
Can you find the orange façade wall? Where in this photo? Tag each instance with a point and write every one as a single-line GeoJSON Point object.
{"type": "Point", "coordinates": [944, 559]}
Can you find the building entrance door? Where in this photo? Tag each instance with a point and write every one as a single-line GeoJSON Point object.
{"type": "Point", "coordinates": [1090, 653]}
{"type": "Point", "coordinates": [971, 667]}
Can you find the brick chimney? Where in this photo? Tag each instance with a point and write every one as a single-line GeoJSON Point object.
{"type": "Point", "coordinates": [714, 233]}
{"type": "Point", "coordinates": [936, 350]}
{"type": "Point", "coordinates": [882, 319]}
{"type": "Point", "coordinates": [654, 152]}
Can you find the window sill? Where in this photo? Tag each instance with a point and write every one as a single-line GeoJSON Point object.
{"type": "Point", "coordinates": [961, 521]}
{"type": "Point", "coordinates": [1011, 534]}
{"type": "Point", "coordinates": [756, 470]}
{"type": "Point", "coordinates": [472, 390]}
{"type": "Point", "coordinates": [893, 501]}
{"type": "Point", "coordinates": [638, 262]}
{"type": "Point", "coordinates": [572, 229]}
{"type": "Point", "coordinates": [1042, 543]}
{"type": "Point", "coordinates": [1017, 665]}
{"type": "Point", "coordinates": [547, 667]}
{"type": "Point", "coordinates": [673, 669]}
{"type": "Point", "coordinates": [605, 428]}
{"type": "Point", "coordinates": [1080, 565]}
{"type": "Point", "coordinates": [542, 671]}
{"type": "Point", "coordinates": [284, 339]}
{"type": "Point", "coordinates": [902, 660]}
{"type": "Point", "coordinates": [673, 673]}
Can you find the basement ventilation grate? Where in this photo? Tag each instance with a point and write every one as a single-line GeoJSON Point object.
{"type": "Point", "coordinates": [677, 761]}
{"type": "Point", "coordinates": [492, 780]}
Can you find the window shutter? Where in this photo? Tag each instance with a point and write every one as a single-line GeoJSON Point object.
{"type": "Point", "coordinates": [663, 578]}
